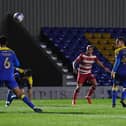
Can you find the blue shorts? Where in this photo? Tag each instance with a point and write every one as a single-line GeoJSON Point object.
{"type": "Point", "coordinates": [11, 84]}
{"type": "Point", "coordinates": [121, 73]}
{"type": "Point", "coordinates": [119, 81]}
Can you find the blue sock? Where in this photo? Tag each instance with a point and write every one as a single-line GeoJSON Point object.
{"type": "Point", "coordinates": [27, 101]}
{"type": "Point", "coordinates": [114, 97]}
{"type": "Point", "coordinates": [9, 94]}
{"type": "Point", "coordinates": [123, 95]}
{"type": "Point", "coordinates": [13, 97]}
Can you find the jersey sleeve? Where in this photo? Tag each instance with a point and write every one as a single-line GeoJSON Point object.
{"type": "Point", "coordinates": [79, 58]}
{"type": "Point", "coordinates": [117, 62]}
{"type": "Point", "coordinates": [76, 61]}
{"type": "Point", "coordinates": [20, 70]}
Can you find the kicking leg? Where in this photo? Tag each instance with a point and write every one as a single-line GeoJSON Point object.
{"type": "Point", "coordinates": [25, 99]}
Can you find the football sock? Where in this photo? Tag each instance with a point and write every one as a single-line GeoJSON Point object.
{"type": "Point", "coordinates": [9, 94]}
{"type": "Point", "coordinates": [114, 97]}
{"type": "Point", "coordinates": [76, 91]}
{"type": "Point", "coordinates": [91, 91]}
{"type": "Point", "coordinates": [123, 96]}
{"type": "Point", "coordinates": [27, 101]}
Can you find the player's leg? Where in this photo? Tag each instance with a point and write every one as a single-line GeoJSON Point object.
{"type": "Point", "coordinates": [22, 96]}
{"type": "Point", "coordinates": [14, 86]}
{"type": "Point", "coordinates": [9, 98]}
{"type": "Point", "coordinates": [114, 95]}
{"type": "Point", "coordinates": [80, 81]}
{"type": "Point", "coordinates": [115, 89]}
{"type": "Point", "coordinates": [29, 85]}
{"type": "Point", "coordinates": [91, 89]}
{"type": "Point", "coordinates": [123, 95]}
{"type": "Point", "coordinates": [75, 94]}
{"type": "Point", "coordinates": [29, 93]}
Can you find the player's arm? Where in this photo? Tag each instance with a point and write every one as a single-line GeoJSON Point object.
{"type": "Point", "coordinates": [116, 65]}
{"type": "Point", "coordinates": [30, 81]}
{"type": "Point", "coordinates": [101, 65]}
{"type": "Point", "coordinates": [20, 70]}
{"type": "Point", "coordinates": [76, 62]}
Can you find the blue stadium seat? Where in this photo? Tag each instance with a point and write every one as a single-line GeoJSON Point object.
{"type": "Point", "coordinates": [71, 42]}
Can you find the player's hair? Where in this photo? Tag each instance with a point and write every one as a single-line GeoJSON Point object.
{"type": "Point", "coordinates": [3, 40]}
{"type": "Point", "coordinates": [123, 39]}
{"type": "Point", "coordinates": [89, 46]}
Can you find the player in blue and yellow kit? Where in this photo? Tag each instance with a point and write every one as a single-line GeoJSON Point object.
{"type": "Point", "coordinates": [8, 62]}
{"type": "Point", "coordinates": [24, 79]}
{"type": "Point", "coordinates": [119, 71]}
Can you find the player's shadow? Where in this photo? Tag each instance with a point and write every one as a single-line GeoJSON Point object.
{"type": "Point", "coordinates": [68, 113]}
{"type": "Point", "coordinates": [1, 112]}
{"type": "Point", "coordinates": [54, 113]}
{"type": "Point", "coordinates": [5, 112]}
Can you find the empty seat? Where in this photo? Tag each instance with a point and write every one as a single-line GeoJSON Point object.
{"type": "Point", "coordinates": [93, 41]}
{"type": "Point", "coordinates": [88, 35]}
{"type": "Point", "coordinates": [97, 35]}
{"type": "Point", "coordinates": [106, 35]}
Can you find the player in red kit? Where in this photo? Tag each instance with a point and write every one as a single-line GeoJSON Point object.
{"type": "Point", "coordinates": [85, 62]}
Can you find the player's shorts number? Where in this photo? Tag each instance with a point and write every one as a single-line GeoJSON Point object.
{"type": "Point", "coordinates": [7, 63]}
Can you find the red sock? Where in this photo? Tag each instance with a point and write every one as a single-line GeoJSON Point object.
{"type": "Point", "coordinates": [75, 96]}
{"type": "Point", "coordinates": [90, 91]}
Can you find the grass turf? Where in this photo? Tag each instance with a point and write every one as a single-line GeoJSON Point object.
{"type": "Point", "coordinates": [61, 113]}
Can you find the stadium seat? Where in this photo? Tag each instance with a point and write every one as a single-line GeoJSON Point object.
{"type": "Point", "coordinates": [72, 41]}
{"type": "Point", "coordinates": [88, 35]}
{"type": "Point", "coordinates": [97, 35]}
{"type": "Point", "coordinates": [106, 35]}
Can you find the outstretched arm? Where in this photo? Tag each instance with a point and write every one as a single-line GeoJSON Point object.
{"type": "Point", "coordinates": [101, 65]}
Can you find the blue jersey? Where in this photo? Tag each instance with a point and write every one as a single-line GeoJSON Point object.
{"type": "Point", "coordinates": [8, 61]}
{"type": "Point", "coordinates": [120, 63]}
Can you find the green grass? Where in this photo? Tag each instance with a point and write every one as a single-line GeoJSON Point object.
{"type": "Point", "coordinates": [61, 113]}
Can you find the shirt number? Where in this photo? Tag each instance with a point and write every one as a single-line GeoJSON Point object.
{"type": "Point", "coordinates": [7, 63]}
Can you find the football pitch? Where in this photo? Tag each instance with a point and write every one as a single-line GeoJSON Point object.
{"type": "Point", "coordinates": [61, 113]}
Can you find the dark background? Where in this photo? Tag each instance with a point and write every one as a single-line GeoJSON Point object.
{"type": "Point", "coordinates": [29, 54]}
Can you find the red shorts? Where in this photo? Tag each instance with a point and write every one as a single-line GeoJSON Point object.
{"type": "Point", "coordinates": [82, 78]}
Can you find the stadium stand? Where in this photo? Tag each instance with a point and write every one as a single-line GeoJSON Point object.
{"type": "Point", "coordinates": [71, 41]}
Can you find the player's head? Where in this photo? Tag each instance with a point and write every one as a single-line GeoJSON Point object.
{"type": "Point", "coordinates": [120, 42]}
{"type": "Point", "coordinates": [90, 49]}
{"type": "Point", "coordinates": [3, 40]}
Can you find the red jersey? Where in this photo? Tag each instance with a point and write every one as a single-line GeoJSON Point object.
{"type": "Point", "coordinates": [85, 63]}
